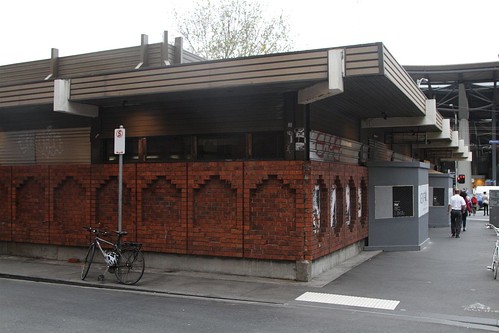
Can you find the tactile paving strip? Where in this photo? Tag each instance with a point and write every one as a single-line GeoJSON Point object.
{"type": "Point", "coordinates": [374, 303]}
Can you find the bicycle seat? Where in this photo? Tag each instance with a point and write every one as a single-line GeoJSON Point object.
{"type": "Point", "coordinates": [121, 233]}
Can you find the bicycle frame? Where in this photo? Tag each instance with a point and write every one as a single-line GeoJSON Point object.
{"type": "Point", "coordinates": [110, 260]}
{"type": "Point", "coordinates": [494, 267]}
{"type": "Point", "coordinates": [125, 260]}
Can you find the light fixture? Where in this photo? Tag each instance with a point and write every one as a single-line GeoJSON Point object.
{"type": "Point", "coordinates": [421, 81]}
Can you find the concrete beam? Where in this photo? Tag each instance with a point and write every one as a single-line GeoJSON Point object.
{"type": "Point", "coordinates": [62, 89]}
{"type": "Point", "coordinates": [143, 51]}
{"type": "Point", "coordinates": [334, 85]}
{"type": "Point", "coordinates": [432, 120]}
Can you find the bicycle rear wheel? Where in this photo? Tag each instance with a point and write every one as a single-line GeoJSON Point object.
{"type": "Point", "coordinates": [88, 261]}
{"type": "Point", "coordinates": [131, 266]}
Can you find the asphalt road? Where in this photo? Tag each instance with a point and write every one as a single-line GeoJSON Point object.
{"type": "Point", "coordinates": [28, 306]}
{"type": "Point", "coordinates": [445, 287]}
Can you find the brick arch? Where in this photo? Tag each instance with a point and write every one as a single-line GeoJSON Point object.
{"type": "Point", "coordinates": [364, 204]}
{"type": "Point", "coordinates": [214, 229]}
{"type": "Point", "coordinates": [271, 230]}
{"type": "Point", "coordinates": [340, 206]}
{"type": "Point", "coordinates": [351, 197]}
{"type": "Point", "coordinates": [69, 218]}
{"type": "Point", "coordinates": [106, 207]}
{"type": "Point", "coordinates": [5, 218]}
{"type": "Point", "coordinates": [29, 224]}
{"type": "Point", "coordinates": [161, 227]}
{"type": "Point", "coordinates": [320, 219]}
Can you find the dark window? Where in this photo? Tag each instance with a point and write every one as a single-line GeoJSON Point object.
{"type": "Point", "coordinates": [268, 145]}
{"type": "Point", "coordinates": [152, 149]}
{"type": "Point", "coordinates": [221, 147]}
{"type": "Point", "coordinates": [168, 148]}
{"type": "Point", "coordinates": [214, 147]}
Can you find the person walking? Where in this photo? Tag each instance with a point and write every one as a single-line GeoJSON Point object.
{"type": "Point", "coordinates": [457, 206]}
{"type": "Point", "coordinates": [485, 200]}
{"type": "Point", "coordinates": [468, 209]}
{"type": "Point", "coordinates": [474, 203]}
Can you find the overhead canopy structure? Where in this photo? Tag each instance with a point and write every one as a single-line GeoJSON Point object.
{"type": "Point", "coordinates": [363, 83]}
{"type": "Point", "coordinates": [479, 82]}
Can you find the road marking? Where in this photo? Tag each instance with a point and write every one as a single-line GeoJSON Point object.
{"type": "Point", "coordinates": [374, 303]}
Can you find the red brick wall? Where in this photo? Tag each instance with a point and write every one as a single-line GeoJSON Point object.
{"type": "Point", "coordinates": [30, 214]}
{"type": "Point", "coordinates": [329, 238]}
{"type": "Point", "coordinates": [104, 187]}
{"type": "Point", "coordinates": [275, 205]}
{"type": "Point", "coordinates": [70, 209]}
{"type": "Point", "coordinates": [215, 209]}
{"type": "Point", "coordinates": [5, 204]}
{"type": "Point", "coordinates": [255, 209]}
{"type": "Point", "coordinates": [162, 207]}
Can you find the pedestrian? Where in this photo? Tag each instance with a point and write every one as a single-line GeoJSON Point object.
{"type": "Point", "coordinates": [485, 200]}
{"type": "Point", "coordinates": [474, 203]}
{"type": "Point", "coordinates": [480, 202]}
{"type": "Point", "coordinates": [468, 209]}
{"type": "Point", "coordinates": [457, 206]}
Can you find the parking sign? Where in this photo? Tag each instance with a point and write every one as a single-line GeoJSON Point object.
{"type": "Point", "coordinates": [119, 141]}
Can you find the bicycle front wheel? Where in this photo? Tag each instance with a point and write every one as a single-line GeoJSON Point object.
{"type": "Point", "coordinates": [495, 263]}
{"type": "Point", "coordinates": [130, 267]}
{"type": "Point", "coordinates": [88, 261]}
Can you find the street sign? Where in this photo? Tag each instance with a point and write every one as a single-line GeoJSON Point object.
{"type": "Point", "coordinates": [494, 142]}
{"type": "Point", "coordinates": [119, 141]}
{"type": "Point", "coordinates": [119, 149]}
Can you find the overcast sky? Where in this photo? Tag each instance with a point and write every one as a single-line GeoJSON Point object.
{"type": "Point", "coordinates": [416, 32]}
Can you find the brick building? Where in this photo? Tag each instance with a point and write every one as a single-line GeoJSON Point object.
{"type": "Point", "coordinates": [253, 166]}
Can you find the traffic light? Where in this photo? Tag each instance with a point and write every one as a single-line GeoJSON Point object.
{"type": "Point", "coordinates": [461, 179]}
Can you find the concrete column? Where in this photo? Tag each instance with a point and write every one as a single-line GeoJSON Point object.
{"type": "Point", "coordinates": [464, 167]}
{"type": "Point", "coordinates": [494, 152]}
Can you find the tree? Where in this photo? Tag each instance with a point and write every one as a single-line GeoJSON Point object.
{"type": "Point", "coordinates": [232, 28]}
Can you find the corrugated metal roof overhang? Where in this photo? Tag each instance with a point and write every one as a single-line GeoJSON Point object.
{"type": "Point", "coordinates": [364, 97]}
{"type": "Point", "coordinates": [375, 85]}
{"type": "Point", "coordinates": [371, 97]}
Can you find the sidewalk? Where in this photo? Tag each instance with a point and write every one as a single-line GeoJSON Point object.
{"type": "Point", "coordinates": [230, 287]}
{"type": "Point", "coordinates": [447, 279]}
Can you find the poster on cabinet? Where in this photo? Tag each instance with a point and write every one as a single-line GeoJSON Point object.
{"type": "Point", "coordinates": [424, 202]}
{"type": "Point", "coordinates": [393, 201]}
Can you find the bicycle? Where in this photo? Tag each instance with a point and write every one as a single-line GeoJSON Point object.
{"type": "Point", "coordinates": [495, 255]}
{"type": "Point", "coordinates": [124, 259]}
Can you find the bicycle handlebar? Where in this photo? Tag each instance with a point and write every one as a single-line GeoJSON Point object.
{"type": "Point", "coordinates": [491, 226]}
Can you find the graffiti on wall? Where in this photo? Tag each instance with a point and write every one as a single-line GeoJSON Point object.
{"type": "Point", "coordinates": [49, 143]}
{"type": "Point", "coordinates": [300, 139]}
{"type": "Point", "coordinates": [359, 202]}
{"type": "Point", "coordinates": [347, 206]}
{"type": "Point", "coordinates": [333, 206]}
{"type": "Point", "coordinates": [316, 209]}
{"type": "Point", "coordinates": [331, 148]}
{"type": "Point", "coordinates": [325, 147]}
{"type": "Point", "coordinates": [43, 144]}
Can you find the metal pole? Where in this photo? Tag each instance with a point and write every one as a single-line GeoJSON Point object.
{"type": "Point", "coordinates": [493, 146]}
{"type": "Point", "coordinates": [119, 149]}
{"type": "Point", "coordinates": [120, 190]}
{"type": "Point", "coordinates": [494, 153]}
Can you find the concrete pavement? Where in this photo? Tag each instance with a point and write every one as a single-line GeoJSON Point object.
{"type": "Point", "coordinates": [446, 281]}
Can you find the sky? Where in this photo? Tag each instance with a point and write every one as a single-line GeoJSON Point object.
{"type": "Point", "coordinates": [416, 32]}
